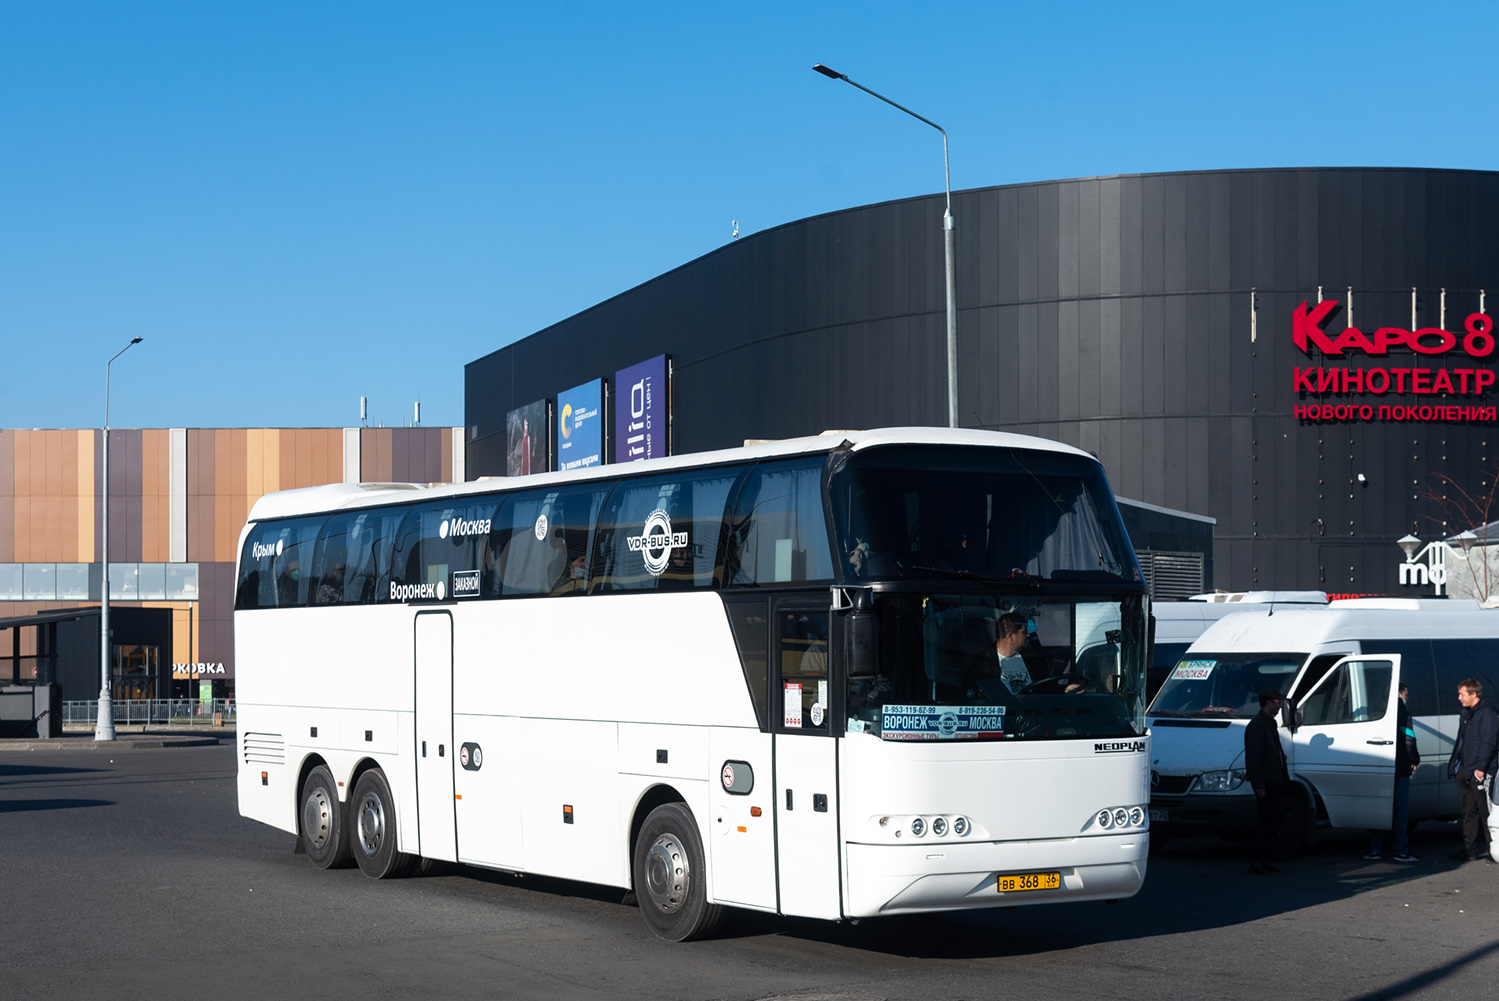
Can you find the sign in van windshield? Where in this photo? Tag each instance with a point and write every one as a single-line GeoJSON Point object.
{"type": "Point", "coordinates": [942, 722]}
{"type": "Point", "coordinates": [1193, 670]}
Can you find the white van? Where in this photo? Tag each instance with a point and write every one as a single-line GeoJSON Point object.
{"type": "Point", "coordinates": [1178, 623]}
{"type": "Point", "coordinates": [1341, 666]}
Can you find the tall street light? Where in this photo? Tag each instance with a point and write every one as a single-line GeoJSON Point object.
{"type": "Point", "coordinates": [104, 729]}
{"type": "Point", "coordinates": [947, 230]}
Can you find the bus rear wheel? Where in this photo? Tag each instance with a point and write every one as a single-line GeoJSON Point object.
{"type": "Point", "coordinates": [669, 876]}
{"type": "Point", "coordinates": [321, 820]}
{"type": "Point", "coordinates": [373, 835]}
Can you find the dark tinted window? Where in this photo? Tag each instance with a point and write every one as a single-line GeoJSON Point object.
{"type": "Point", "coordinates": [1459, 660]}
{"type": "Point", "coordinates": [750, 620]}
{"type": "Point", "coordinates": [275, 569]}
{"type": "Point", "coordinates": [541, 539]}
{"type": "Point", "coordinates": [779, 532]}
{"type": "Point", "coordinates": [440, 550]}
{"type": "Point", "coordinates": [920, 512]}
{"type": "Point", "coordinates": [1415, 671]}
{"type": "Point", "coordinates": [1356, 691]}
{"type": "Point", "coordinates": [663, 533]}
{"type": "Point", "coordinates": [351, 565]}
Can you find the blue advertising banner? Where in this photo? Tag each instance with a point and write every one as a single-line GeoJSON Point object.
{"type": "Point", "coordinates": [642, 411]}
{"type": "Point", "coordinates": [580, 426]}
{"type": "Point", "coordinates": [942, 722]}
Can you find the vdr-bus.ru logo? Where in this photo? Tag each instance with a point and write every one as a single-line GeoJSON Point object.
{"type": "Point", "coordinates": [656, 541]}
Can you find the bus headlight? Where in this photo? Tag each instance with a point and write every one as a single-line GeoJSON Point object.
{"type": "Point", "coordinates": [939, 826]}
{"type": "Point", "coordinates": [1105, 818]}
{"type": "Point", "coordinates": [960, 826]}
{"type": "Point", "coordinates": [1121, 816]}
{"type": "Point", "coordinates": [1224, 781]}
{"type": "Point", "coordinates": [1136, 816]}
{"type": "Point", "coordinates": [918, 826]}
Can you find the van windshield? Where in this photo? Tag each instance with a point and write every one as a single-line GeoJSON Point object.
{"type": "Point", "coordinates": [1224, 684]}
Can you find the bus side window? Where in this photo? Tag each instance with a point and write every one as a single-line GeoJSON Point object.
{"type": "Point", "coordinates": [285, 564]}
{"type": "Point", "coordinates": [805, 695]}
{"type": "Point", "coordinates": [663, 533]}
{"type": "Point", "coordinates": [778, 532]}
{"type": "Point", "coordinates": [749, 618]}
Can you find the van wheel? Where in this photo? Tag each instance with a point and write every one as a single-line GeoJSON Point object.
{"type": "Point", "coordinates": [669, 873]}
{"type": "Point", "coordinates": [373, 838]}
{"type": "Point", "coordinates": [321, 820]}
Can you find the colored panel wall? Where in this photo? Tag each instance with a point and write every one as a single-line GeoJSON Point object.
{"type": "Point", "coordinates": [8, 496]}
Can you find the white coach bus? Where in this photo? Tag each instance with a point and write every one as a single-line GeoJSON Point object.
{"type": "Point", "coordinates": [763, 678]}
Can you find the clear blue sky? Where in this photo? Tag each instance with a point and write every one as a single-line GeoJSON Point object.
{"type": "Point", "coordinates": [297, 204]}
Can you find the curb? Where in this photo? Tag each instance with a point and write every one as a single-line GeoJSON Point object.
{"type": "Point", "coordinates": [89, 744]}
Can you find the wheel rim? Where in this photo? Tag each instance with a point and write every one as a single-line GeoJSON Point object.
{"type": "Point", "coordinates": [371, 823]}
{"type": "Point", "coordinates": [317, 817]}
{"type": "Point", "coordinates": [668, 876]}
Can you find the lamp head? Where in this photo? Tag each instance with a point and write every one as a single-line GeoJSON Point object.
{"type": "Point", "coordinates": [829, 72]}
{"type": "Point", "coordinates": [1466, 540]}
{"type": "Point", "coordinates": [136, 340]}
{"type": "Point", "coordinates": [1409, 544]}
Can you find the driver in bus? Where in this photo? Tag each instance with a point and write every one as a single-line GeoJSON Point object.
{"type": "Point", "coordinates": [1011, 636]}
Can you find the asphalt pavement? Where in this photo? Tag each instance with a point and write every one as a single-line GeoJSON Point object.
{"type": "Point", "coordinates": [130, 874]}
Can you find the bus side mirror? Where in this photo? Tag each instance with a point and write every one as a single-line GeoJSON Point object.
{"type": "Point", "coordinates": [859, 645]}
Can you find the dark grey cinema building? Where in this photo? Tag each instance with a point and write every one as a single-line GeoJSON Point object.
{"type": "Point", "coordinates": [1294, 357]}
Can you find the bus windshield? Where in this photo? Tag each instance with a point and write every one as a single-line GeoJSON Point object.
{"type": "Point", "coordinates": [1224, 684]}
{"type": "Point", "coordinates": [918, 513]}
{"type": "Point", "coordinates": [983, 666]}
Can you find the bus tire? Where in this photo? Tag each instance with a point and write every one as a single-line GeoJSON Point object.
{"type": "Point", "coordinates": [669, 874]}
{"type": "Point", "coordinates": [372, 835]}
{"type": "Point", "coordinates": [320, 820]}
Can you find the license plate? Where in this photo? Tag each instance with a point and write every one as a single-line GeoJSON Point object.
{"type": "Point", "coordinates": [1029, 881]}
{"type": "Point", "coordinates": [1159, 813]}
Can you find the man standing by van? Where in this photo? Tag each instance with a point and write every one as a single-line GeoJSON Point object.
{"type": "Point", "coordinates": [1473, 761]}
{"type": "Point", "coordinates": [1406, 760]}
{"type": "Point", "coordinates": [1265, 768]}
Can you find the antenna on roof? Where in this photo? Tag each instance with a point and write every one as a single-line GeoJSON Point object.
{"type": "Point", "coordinates": [364, 411]}
{"type": "Point", "coordinates": [416, 414]}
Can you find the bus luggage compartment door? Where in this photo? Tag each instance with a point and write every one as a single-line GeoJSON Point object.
{"type": "Point", "coordinates": [1344, 743]}
{"type": "Point", "coordinates": [806, 766]}
{"type": "Point", "coordinates": [436, 817]}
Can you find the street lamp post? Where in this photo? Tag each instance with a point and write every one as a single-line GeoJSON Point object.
{"type": "Point", "coordinates": [104, 729]}
{"type": "Point", "coordinates": [1436, 552]}
{"type": "Point", "coordinates": [947, 233]}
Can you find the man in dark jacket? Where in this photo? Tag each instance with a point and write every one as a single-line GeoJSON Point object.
{"type": "Point", "coordinates": [1406, 760]}
{"type": "Point", "coordinates": [1472, 762]}
{"type": "Point", "coordinates": [1265, 768]}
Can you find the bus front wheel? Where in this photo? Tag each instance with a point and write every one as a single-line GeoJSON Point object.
{"type": "Point", "coordinates": [669, 876]}
{"type": "Point", "coordinates": [322, 820]}
{"type": "Point", "coordinates": [373, 835]}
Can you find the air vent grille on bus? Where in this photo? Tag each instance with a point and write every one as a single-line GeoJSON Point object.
{"type": "Point", "coordinates": [1172, 576]}
{"type": "Point", "coordinates": [265, 749]}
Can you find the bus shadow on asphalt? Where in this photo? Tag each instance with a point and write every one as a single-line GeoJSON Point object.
{"type": "Point", "coordinates": [8, 771]}
{"type": "Point", "coordinates": [33, 805]}
{"type": "Point", "coordinates": [1197, 884]}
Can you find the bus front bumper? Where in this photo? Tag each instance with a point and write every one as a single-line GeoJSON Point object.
{"type": "Point", "coordinates": [911, 879]}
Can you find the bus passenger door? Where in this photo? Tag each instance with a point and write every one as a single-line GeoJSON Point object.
{"type": "Point", "coordinates": [1344, 743]}
{"type": "Point", "coordinates": [806, 765]}
{"type": "Point", "coordinates": [436, 818]}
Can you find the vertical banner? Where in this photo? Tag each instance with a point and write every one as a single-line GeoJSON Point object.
{"type": "Point", "coordinates": [580, 426]}
{"type": "Point", "coordinates": [642, 411]}
{"type": "Point", "coordinates": [526, 433]}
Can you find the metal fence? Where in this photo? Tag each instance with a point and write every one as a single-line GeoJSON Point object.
{"type": "Point", "coordinates": [182, 712]}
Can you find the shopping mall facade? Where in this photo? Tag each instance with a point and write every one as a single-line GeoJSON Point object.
{"type": "Point", "coordinates": [1300, 356]}
{"type": "Point", "coordinates": [178, 499]}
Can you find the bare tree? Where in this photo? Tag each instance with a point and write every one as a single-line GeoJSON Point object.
{"type": "Point", "coordinates": [1470, 508]}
